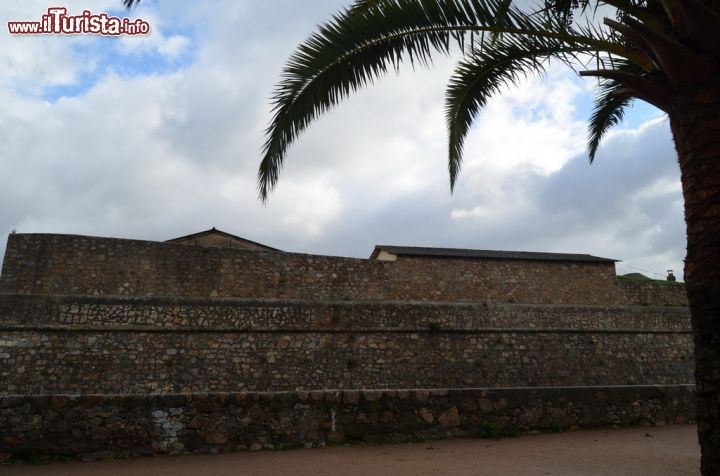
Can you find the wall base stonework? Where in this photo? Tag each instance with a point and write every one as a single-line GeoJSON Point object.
{"type": "Point", "coordinates": [126, 425]}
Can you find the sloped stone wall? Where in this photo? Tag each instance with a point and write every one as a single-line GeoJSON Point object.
{"type": "Point", "coordinates": [67, 264]}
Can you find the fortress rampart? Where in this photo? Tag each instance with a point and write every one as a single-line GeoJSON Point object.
{"type": "Point", "coordinates": [190, 348]}
{"type": "Point", "coordinates": [68, 264]}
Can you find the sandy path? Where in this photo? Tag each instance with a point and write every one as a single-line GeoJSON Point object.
{"type": "Point", "coordinates": [660, 451]}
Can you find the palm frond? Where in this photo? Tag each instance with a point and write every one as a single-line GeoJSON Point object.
{"type": "Point", "coordinates": [360, 44]}
{"type": "Point", "coordinates": [608, 111]}
{"type": "Point", "coordinates": [609, 108]}
{"type": "Point", "coordinates": [478, 78]}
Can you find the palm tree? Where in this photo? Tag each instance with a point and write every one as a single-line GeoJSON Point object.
{"type": "Point", "coordinates": [665, 52]}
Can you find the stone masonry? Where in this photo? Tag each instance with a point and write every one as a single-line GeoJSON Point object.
{"type": "Point", "coordinates": [134, 347]}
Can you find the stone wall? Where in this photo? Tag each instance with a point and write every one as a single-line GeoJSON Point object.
{"type": "Point", "coordinates": [33, 310]}
{"type": "Point", "coordinates": [501, 280]}
{"type": "Point", "coordinates": [158, 345]}
{"type": "Point", "coordinates": [67, 264]}
{"type": "Point", "coordinates": [644, 293]}
{"type": "Point", "coordinates": [132, 346]}
{"type": "Point", "coordinates": [63, 264]}
{"type": "Point", "coordinates": [72, 361]}
{"type": "Point", "coordinates": [124, 425]}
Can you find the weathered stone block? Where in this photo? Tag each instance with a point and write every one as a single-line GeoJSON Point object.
{"type": "Point", "coordinates": [426, 415]}
{"type": "Point", "coordinates": [449, 418]}
{"type": "Point", "coordinates": [351, 397]}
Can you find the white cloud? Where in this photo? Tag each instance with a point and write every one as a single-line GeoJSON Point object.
{"type": "Point", "coordinates": [172, 45]}
{"type": "Point", "coordinates": [164, 154]}
{"type": "Point", "coordinates": [531, 126]}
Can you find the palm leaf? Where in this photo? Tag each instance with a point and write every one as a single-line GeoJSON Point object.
{"type": "Point", "coordinates": [609, 108]}
{"type": "Point", "coordinates": [479, 77]}
{"type": "Point", "coordinates": [608, 111]}
{"type": "Point", "coordinates": [361, 43]}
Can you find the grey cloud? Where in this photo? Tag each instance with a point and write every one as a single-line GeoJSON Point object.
{"type": "Point", "coordinates": [627, 205]}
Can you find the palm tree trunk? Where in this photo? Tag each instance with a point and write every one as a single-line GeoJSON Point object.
{"type": "Point", "coordinates": [695, 122]}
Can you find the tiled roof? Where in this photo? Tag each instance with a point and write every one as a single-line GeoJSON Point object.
{"type": "Point", "coordinates": [487, 254]}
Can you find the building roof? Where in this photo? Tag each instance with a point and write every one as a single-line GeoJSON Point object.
{"type": "Point", "coordinates": [485, 254]}
{"type": "Point", "coordinates": [213, 232]}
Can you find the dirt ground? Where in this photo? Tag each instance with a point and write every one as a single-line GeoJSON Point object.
{"type": "Point", "coordinates": [650, 451]}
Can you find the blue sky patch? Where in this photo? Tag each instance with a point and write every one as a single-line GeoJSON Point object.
{"type": "Point", "coordinates": [105, 55]}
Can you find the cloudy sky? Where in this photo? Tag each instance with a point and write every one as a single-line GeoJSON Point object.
{"type": "Point", "coordinates": [160, 136]}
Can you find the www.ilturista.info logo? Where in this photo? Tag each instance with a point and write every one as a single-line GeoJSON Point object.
{"type": "Point", "coordinates": [58, 22]}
